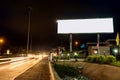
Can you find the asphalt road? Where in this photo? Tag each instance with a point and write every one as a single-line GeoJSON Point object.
{"type": "Point", "coordinates": [10, 70]}
{"type": "Point", "coordinates": [39, 71]}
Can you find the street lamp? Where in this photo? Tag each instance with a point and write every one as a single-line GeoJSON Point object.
{"type": "Point", "coordinates": [76, 44]}
{"type": "Point", "coordinates": [115, 51]}
{"type": "Point", "coordinates": [1, 42]}
{"type": "Point", "coordinates": [28, 38]}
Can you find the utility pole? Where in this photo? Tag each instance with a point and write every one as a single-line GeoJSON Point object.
{"type": "Point", "coordinates": [31, 43]}
{"type": "Point", "coordinates": [28, 34]}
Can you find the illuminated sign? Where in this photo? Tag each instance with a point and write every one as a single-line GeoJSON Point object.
{"type": "Point", "coordinates": [97, 25]}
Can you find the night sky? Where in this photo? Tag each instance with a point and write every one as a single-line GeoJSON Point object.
{"type": "Point", "coordinates": [44, 13]}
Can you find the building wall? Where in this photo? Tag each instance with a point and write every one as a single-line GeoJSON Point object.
{"type": "Point", "coordinates": [103, 50]}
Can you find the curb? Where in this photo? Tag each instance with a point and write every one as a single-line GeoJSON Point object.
{"type": "Point", "coordinates": [54, 74]}
{"type": "Point", "coordinates": [51, 72]}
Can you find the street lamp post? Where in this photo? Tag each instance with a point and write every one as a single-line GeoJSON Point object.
{"type": "Point", "coordinates": [28, 38]}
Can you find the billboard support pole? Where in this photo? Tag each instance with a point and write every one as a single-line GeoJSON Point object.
{"type": "Point", "coordinates": [98, 42]}
{"type": "Point", "coordinates": [70, 42]}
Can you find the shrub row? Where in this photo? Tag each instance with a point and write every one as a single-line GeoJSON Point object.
{"type": "Point", "coordinates": [101, 59]}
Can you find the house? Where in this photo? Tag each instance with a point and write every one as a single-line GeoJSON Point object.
{"type": "Point", "coordinates": [102, 49]}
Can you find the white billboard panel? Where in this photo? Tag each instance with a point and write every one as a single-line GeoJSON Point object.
{"type": "Point", "coordinates": [98, 25]}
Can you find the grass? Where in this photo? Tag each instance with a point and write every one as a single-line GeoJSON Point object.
{"type": "Point", "coordinates": [64, 70]}
{"type": "Point", "coordinates": [67, 72]}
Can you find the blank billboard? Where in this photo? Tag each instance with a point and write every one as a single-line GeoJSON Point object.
{"type": "Point", "coordinates": [97, 25]}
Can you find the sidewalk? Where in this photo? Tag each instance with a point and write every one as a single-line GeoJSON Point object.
{"type": "Point", "coordinates": [39, 71]}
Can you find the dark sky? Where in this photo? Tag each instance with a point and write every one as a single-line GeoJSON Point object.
{"type": "Point", "coordinates": [44, 13]}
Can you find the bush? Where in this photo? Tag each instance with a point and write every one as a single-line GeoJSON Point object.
{"type": "Point", "coordinates": [90, 58]}
{"type": "Point", "coordinates": [116, 64]}
{"type": "Point", "coordinates": [55, 57]}
{"type": "Point", "coordinates": [101, 59]}
{"type": "Point", "coordinates": [66, 57]}
{"type": "Point", "coordinates": [111, 59]}
{"type": "Point", "coordinates": [95, 59]}
{"type": "Point", "coordinates": [76, 55]}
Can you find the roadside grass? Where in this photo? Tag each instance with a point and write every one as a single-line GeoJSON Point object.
{"type": "Point", "coordinates": [69, 72]}
{"type": "Point", "coordinates": [64, 70]}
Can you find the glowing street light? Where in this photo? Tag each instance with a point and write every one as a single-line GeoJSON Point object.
{"type": "Point", "coordinates": [95, 51]}
{"type": "Point", "coordinates": [76, 44]}
{"type": "Point", "coordinates": [115, 51]}
{"type": "Point", "coordinates": [1, 40]}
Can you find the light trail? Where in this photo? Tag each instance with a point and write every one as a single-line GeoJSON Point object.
{"type": "Point", "coordinates": [18, 65]}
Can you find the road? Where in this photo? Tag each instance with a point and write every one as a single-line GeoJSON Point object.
{"type": "Point", "coordinates": [9, 71]}
{"type": "Point", "coordinates": [39, 71]}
